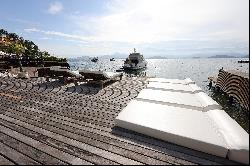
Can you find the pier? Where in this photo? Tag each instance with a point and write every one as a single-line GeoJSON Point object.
{"type": "Point", "coordinates": [51, 123]}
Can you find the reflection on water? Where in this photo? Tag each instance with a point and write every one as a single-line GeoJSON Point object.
{"type": "Point", "coordinates": [197, 69]}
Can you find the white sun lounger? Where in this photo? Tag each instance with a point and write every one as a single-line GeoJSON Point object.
{"type": "Point", "coordinates": [66, 70]}
{"type": "Point", "coordinates": [100, 77]}
{"type": "Point", "coordinates": [188, 88]}
{"type": "Point", "coordinates": [173, 81]}
{"type": "Point", "coordinates": [186, 127]}
{"type": "Point", "coordinates": [193, 120]}
{"type": "Point", "coordinates": [199, 101]}
{"type": "Point", "coordinates": [99, 74]}
{"type": "Point", "coordinates": [111, 75]}
{"type": "Point", "coordinates": [236, 137]}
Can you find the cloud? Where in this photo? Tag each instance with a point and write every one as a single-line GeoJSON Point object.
{"type": "Point", "coordinates": [31, 30]}
{"type": "Point", "coordinates": [139, 21]}
{"type": "Point", "coordinates": [59, 34]}
{"type": "Point", "coordinates": [45, 38]}
{"type": "Point", "coordinates": [55, 7]}
{"type": "Point", "coordinates": [162, 27]}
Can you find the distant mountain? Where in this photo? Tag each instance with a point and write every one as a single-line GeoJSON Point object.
{"type": "Point", "coordinates": [115, 56]}
{"type": "Point", "coordinates": [196, 57]}
{"type": "Point", "coordinates": [86, 58]}
{"type": "Point", "coordinates": [157, 57]}
{"type": "Point", "coordinates": [82, 58]}
{"type": "Point", "coordinates": [222, 56]}
{"type": "Point", "coordinates": [118, 55]}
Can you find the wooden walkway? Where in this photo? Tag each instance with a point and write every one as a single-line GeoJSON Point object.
{"type": "Point", "coordinates": [49, 123]}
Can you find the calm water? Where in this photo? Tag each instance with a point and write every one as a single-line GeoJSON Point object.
{"type": "Point", "coordinates": [196, 69]}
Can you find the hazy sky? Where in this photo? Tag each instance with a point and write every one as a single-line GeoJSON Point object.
{"type": "Point", "coordinates": [155, 27]}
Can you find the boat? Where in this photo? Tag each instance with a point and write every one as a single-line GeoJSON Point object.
{"type": "Point", "coordinates": [112, 59]}
{"type": "Point", "coordinates": [95, 59]}
{"type": "Point", "coordinates": [243, 61]}
{"type": "Point", "coordinates": [135, 61]}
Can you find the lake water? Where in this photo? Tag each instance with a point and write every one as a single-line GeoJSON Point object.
{"type": "Point", "coordinates": [197, 69]}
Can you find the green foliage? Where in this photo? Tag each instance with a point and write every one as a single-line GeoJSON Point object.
{"type": "Point", "coordinates": [24, 48]}
{"type": "Point", "coordinates": [17, 48]}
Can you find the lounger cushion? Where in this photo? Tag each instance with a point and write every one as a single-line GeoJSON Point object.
{"type": "Point", "coordinates": [89, 71]}
{"type": "Point", "coordinates": [99, 74]}
{"type": "Point", "coordinates": [95, 75]}
{"type": "Point", "coordinates": [177, 112]}
{"type": "Point", "coordinates": [62, 70]}
{"type": "Point", "coordinates": [188, 88]}
{"type": "Point", "coordinates": [199, 101]}
{"type": "Point", "coordinates": [235, 136]}
{"type": "Point", "coordinates": [186, 127]}
{"type": "Point", "coordinates": [174, 81]}
{"type": "Point", "coordinates": [112, 74]}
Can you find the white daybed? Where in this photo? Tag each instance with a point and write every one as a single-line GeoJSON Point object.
{"type": "Point", "coordinates": [177, 111]}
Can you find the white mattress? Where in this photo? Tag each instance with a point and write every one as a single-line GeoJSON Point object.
{"type": "Point", "coordinates": [236, 137]}
{"type": "Point", "coordinates": [186, 127]}
{"type": "Point", "coordinates": [191, 88]}
{"type": "Point", "coordinates": [111, 74]}
{"type": "Point", "coordinates": [106, 74]}
{"type": "Point", "coordinates": [199, 101]}
{"type": "Point", "coordinates": [89, 71]}
{"type": "Point", "coordinates": [177, 111]}
{"type": "Point", "coordinates": [173, 81]}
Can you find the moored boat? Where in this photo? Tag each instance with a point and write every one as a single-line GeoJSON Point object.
{"type": "Point", "coordinates": [243, 61]}
{"type": "Point", "coordinates": [135, 61]}
{"type": "Point", "coordinates": [95, 59]}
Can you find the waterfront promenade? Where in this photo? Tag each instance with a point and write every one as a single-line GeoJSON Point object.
{"type": "Point", "coordinates": [51, 123]}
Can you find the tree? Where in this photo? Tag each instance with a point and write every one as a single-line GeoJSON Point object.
{"type": "Point", "coordinates": [13, 37]}
{"type": "Point", "coordinates": [3, 32]}
{"type": "Point", "coordinates": [27, 49]}
{"type": "Point", "coordinates": [18, 49]}
{"type": "Point", "coordinates": [31, 50]}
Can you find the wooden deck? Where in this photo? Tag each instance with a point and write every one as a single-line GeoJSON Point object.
{"type": "Point", "coordinates": [49, 123]}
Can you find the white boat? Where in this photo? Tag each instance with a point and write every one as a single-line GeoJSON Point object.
{"type": "Point", "coordinates": [135, 61]}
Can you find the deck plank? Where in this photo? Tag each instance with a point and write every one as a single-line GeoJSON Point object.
{"type": "Point", "coordinates": [43, 147]}
{"type": "Point", "coordinates": [76, 124]}
{"type": "Point", "coordinates": [30, 151]}
{"type": "Point", "coordinates": [63, 137]}
{"type": "Point", "coordinates": [16, 156]}
{"type": "Point", "coordinates": [4, 161]}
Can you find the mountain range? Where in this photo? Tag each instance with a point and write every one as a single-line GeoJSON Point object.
{"type": "Point", "coordinates": [124, 56]}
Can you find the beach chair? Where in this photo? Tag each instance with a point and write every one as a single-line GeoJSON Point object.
{"type": "Point", "coordinates": [66, 75]}
{"type": "Point", "coordinates": [177, 112]}
{"type": "Point", "coordinates": [63, 73]}
{"type": "Point", "coordinates": [100, 77]}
